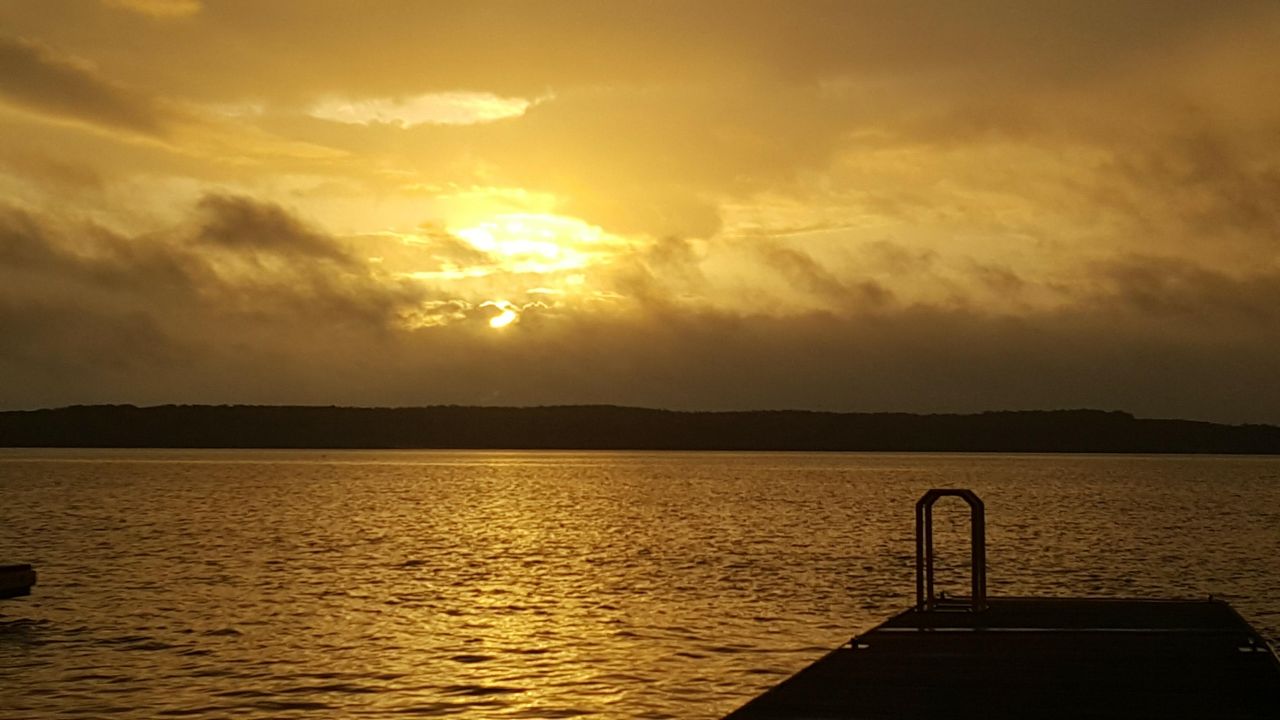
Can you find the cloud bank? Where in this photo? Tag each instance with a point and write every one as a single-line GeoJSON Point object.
{"type": "Point", "coordinates": [829, 205]}
{"type": "Point", "coordinates": [286, 314]}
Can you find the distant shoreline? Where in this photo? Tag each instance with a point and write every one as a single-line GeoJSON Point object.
{"type": "Point", "coordinates": [605, 427]}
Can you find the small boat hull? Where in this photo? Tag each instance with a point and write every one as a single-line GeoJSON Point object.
{"type": "Point", "coordinates": [16, 580]}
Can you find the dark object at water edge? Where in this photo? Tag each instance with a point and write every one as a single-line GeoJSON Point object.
{"type": "Point", "coordinates": [980, 657]}
{"type": "Point", "coordinates": [16, 580]}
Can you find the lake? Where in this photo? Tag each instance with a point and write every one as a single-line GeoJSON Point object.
{"type": "Point", "coordinates": [275, 584]}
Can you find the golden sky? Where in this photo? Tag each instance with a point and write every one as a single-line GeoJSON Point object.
{"type": "Point", "coordinates": [917, 206]}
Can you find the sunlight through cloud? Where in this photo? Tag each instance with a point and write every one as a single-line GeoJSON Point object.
{"type": "Point", "coordinates": [538, 242]}
{"type": "Point", "coordinates": [158, 8]}
{"type": "Point", "coordinates": [450, 108]}
{"type": "Point", "coordinates": [508, 315]}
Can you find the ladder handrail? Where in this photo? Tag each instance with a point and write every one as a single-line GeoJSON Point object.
{"type": "Point", "coordinates": [925, 599]}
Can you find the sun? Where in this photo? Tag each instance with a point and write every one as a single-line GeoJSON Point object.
{"type": "Point", "coordinates": [509, 313]}
{"type": "Point", "coordinates": [540, 259]}
{"type": "Point", "coordinates": [538, 242]}
{"type": "Point", "coordinates": [507, 317]}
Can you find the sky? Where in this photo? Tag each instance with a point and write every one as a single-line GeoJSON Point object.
{"type": "Point", "coordinates": [712, 205]}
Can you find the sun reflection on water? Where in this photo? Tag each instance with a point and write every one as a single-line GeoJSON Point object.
{"type": "Point", "coordinates": [490, 585]}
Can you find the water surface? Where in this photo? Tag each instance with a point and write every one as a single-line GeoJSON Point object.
{"type": "Point", "coordinates": [540, 585]}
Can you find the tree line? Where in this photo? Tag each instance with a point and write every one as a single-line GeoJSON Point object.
{"type": "Point", "coordinates": [601, 427]}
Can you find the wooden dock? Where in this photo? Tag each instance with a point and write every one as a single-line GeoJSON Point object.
{"type": "Point", "coordinates": [1041, 658]}
{"type": "Point", "coordinates": [16, 580]}
{"type": "Point", "coordinates": [1026, 658]}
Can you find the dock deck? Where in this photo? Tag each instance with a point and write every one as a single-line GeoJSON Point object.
{"type": "Point", "coordinates": [1033, 658]}
{"type": "Point", "coordinates": [1041, 658]}
{"type": "Point", "coordinates": [16, 580]}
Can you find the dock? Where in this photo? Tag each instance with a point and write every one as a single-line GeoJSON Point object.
{"type": "Point", "coordinates": [1018, 657]}
{"type": "Point", "coordinates": [16, 580]}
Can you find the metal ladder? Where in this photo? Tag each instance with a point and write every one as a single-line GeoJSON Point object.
{"type": "Point", "coordinates": [926, 601]}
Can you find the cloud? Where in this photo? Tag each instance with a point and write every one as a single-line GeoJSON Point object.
{"type": "Point", "coordinates": [1206, 184]}
{"type": "Point", "coordinates": [451, 249]}
{"type": "Point", "coordinates": [49, 84]}
{"type": "Point", "coordinates": [93, 316]}
{"type": "Point", "coordinates": [67, 176]}
{"type": "Point", "coordinates": [867, 205]}
{"type": "Point", "coordinates": [174, 278]}
{"type": "Point", "coordinates": [242, 224]}
{"type": "Point", "coordinates": [881, 109]}
{"type": "Point", "coordinates": [518, 49]}
{"type": "Point", "coordinates": [452, 108]}
{"type": "Point", "coordinates": [803, 272]}
{"type": "Point", "coordinates": [1164, 288]}
{"type": "Point", "coordinates": [35, 78]}
{"type": "Point", "coordinates": [163, 9]}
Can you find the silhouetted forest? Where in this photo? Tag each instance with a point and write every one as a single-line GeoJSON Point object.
{"type": "Point", "coordinates": [619, 428]}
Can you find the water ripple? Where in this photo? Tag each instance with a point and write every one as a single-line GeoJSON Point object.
{"type": "Point", "coordinates": [542, 585]}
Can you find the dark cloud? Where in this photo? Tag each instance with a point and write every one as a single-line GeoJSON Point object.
{"type": "Point", "coordinates": [36, 78]}
{"type": "Point", "coordinates": [646, 277]}
{"type": "Point", "coordinates": [1217, 185]}
{"type": "Point", "coordinates": [23, 241]}
{"type": "Point", "coordinates": [1168, 288]}
{"type": "Point", "coordinates": [999, 279]}
{"type": "Point", "coordinates": [245, 225]}
{"type": "Point", "coordinates": [913, 360]}
{"type": "Point", "coordinates": [47, 259]}
{"type": "Point", "coordinates": [897, 259]}
{"type": "Point", "coordinates": [806, 274]}
{"type": "Point", "coordinates": [90, 316]}
{"type": "Point", "coordinates": [83, 307]}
